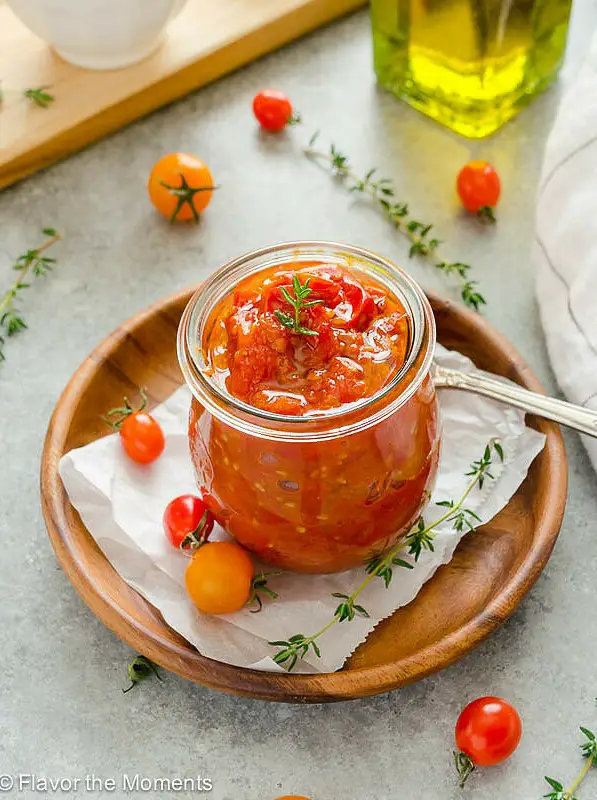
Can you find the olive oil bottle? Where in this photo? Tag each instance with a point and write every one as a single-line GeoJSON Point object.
{"type": "Point", "coordinates": [469, 64]}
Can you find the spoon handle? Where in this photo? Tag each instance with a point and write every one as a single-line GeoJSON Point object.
{"type": "Point", "coordinates": [576, 417]}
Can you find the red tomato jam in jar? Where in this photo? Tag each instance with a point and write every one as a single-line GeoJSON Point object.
{"type": "Point", "coordinates": [314, 427]}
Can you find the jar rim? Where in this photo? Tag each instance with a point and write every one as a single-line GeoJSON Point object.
{"type": "Point", "coordinates": [236, 412]}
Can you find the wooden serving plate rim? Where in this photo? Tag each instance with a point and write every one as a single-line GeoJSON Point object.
{"type": "Point", "coordinates": [311, 688]}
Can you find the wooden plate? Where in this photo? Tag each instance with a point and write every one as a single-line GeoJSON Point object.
{"type": "Point", "coordinates": [466, 599]}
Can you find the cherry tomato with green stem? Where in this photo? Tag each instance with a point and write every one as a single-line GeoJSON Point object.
{"type": "Point", "coordinates": [487, 732]}
{"type": "Point", "coordinates": [187, 522]}
{"type": "Point", "coordinates": [180, 186]}
{"type": "Point", "coordinates": [479, 188]}
{"type": "Point", "coordinates": [141, 435]}
{"type": "Point", "coordinates": [273, 110]}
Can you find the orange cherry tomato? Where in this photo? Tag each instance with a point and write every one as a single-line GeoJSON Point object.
{"type": "Point", "coordinates": [180, 186]}
{"type": "Point", "coordinates": [142, 437]}
{"type": "Point", "coordinates": [479, 187]}
{"type": "Point", "coordinates": [219, 577]}
{"type": "Point", "coordinates": [293, 797]}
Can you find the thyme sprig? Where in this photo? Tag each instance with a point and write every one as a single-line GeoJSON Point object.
{"type": "Point", "coordinates": [139, 669]}
{"type": "Point", "coordinates": [40, 97]}
{"type": "Point", "coordinates": [419, 538]}
{"type": "Point", "coordinates": [33, 263]}
{"type": "Point", "coordinates": [299, 303]}
{"type": "Point", "coordinates": [382, 191]}
{"type": "Point", "coordinates": [258, 587]}
{"type": "Point", "coordinates": [589, 751]}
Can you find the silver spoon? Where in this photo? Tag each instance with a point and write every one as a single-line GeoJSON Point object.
{"type": "Point", "coordinates": [576, 417]}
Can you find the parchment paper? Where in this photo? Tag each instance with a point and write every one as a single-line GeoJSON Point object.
{"type": "Point", "coordinates": [122, 504]}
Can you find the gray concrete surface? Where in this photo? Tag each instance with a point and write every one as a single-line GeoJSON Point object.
{"type": "Point", "coordinates": [62, 713]}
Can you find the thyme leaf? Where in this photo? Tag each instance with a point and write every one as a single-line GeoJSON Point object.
{"type": "Point", "coordinates": [139, 669]}
{"type": "Point", "coordinates": [40, 97]}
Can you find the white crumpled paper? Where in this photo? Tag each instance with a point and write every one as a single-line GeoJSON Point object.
{"type": "Point", "coordinates": [122, 504]}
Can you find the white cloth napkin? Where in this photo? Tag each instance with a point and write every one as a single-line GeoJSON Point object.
{"type": "Point", "coordinates": [122, 504]}
{"type": "Point", "coordinates": [565, 248]}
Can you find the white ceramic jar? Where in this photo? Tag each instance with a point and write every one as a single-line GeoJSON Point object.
{"type": "Point", "coordinates": [99, 34]}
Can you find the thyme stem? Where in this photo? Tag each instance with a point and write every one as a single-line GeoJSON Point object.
{"type": "Point", "coordinates": [31, 261]}
{"type": "Point", "coordinates": [382, 192]}
{"type": "Point", "coordinates": [419, 537]}
{"type": "Point", "coordinates": [589, 751]}
{"type": "Point", "coordinates": [14, 289]}
{"type": "Point", "coordinates": [580, 778]}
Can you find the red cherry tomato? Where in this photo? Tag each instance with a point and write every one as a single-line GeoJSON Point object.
{"type": "Point", "coordinates": [488, 731]}
{"type": "Point", "coordinates": [187, 522]}
{"type": "Point", "coordinates": [478, 186]}
{"type": "Point", "coordinates": [273, 110]}
{"type": "Point", "coordinates": [142, 438]}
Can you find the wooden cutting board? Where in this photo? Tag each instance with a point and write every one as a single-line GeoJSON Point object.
{"type": "Point", "coordinates": [207, 40]}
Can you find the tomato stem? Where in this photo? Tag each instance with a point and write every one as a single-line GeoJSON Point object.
{"type": "Point", "coordinates": [465, 767]}
{"type": "Point", "coordinates": [122, 412]}
{"type": "Point", "coordinates": [259, 584]}
{"type": "Point", "coordinates": [197, 538]}
{"type": "Point", "coordinates": [185, 194]}
{"type": "Point", "coordinates": [487, 214]}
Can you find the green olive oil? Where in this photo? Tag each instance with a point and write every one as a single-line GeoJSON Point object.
{"type": "Point", "coordinates": [469, 64]}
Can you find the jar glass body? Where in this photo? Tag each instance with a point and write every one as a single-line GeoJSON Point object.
{"type": "Point", "coordinates": [328, 493]}
{"type": "Point", "coordinates": [469, 64]}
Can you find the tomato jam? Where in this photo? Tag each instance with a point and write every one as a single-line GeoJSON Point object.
{"type": "Point", "coordinates": [354, 338]}
{"type": "Point", "coordinates": [314, 427]}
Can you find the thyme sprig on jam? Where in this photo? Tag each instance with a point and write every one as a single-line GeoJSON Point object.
{"type": "Point", "coordinates": [258, 587]}
{"type": "Point", "coordinates": [419, 538]}
{"type": "Point", "coordinates": [299, 303]}
{"type": "Point", "coordinates": [31, 263]}
{"type": "Point", "coordinates": [381, 190]}
{"type": "Point", "coordinates": [139, 669]}
{"type": "Point", "coordinates": [40, 97]}
{"type": "Point", "coordinates": [589, 751]}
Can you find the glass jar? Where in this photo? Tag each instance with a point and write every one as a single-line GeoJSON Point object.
{"type": "Point", "coordinates": [470, 64]}
{"type": "Point", "coordinates": [324, 492]}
